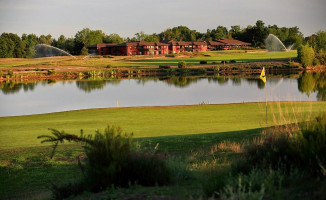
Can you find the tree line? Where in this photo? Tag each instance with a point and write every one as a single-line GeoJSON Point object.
{"type": "Point", "coordinates": [13, 46]}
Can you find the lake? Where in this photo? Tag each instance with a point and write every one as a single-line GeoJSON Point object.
{"type": "Point", "coordinates": [54, 96]}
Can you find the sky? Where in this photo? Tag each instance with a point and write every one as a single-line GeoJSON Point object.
{"type": "Point", "coordinates": [127, 17]}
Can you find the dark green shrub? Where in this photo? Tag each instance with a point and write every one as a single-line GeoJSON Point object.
{"type": "Point", "coordinates": [315, 62]}
{"type": "Point", "coordinates": [201, 71]}
{"type": "Point", "coordinates": [321, 57]}
{"type": "Point", "coordinates": [203, 62]}
{"type": "Point", "coordinates": [182, 64]}
{"type": "Point", "coordinates": [51, 72]}
{"type": "Point", "coordinates": [214, 62]}
{"type": "Point", "coordinates": [145, 169]}
{"type": "Point", "coordinates": [106, 155]}
{"type": "Point", "coordinates": [233, 61]}
{"type": "Point", "coordinates": [10, 73]}
{"type": "Point", "coordinates": [109, 66]}
{"type": "Point", "coordinates": [214, 181]}
{"type": "Point", "coordinates": [66, 190]}
{"type": "Point", "coordinates": [224, 61]}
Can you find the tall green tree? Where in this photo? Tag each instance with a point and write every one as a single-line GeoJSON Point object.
{"type": "Point", "coordinates": [321, 41]}
{"type": "Point", "coordinates": [12, 46]}
{"type": "Point", "coordinates": [61, 42]}
{"type": "Point", "coordinates": [6, 47]}
{"type": "Point", "coordinates": [219, 32]}
{"type": "Point", "coordinates": [113, 38]}
{"type": "Point", "coordinates": [259, 34]}
{"type": "Point", "coordinates": [45, 39]}
{"type": "Point", "coordinates": [87, 37]}
{"type": "Point", "coordinates": [30, 41]}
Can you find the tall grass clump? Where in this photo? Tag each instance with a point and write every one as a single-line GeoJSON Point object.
{"type": "Point", "coordinates": [278, 164]}
{"type": "Point", "coordinates": [112, 159]}
{"type": "Point", "coordinates": [304, 147]}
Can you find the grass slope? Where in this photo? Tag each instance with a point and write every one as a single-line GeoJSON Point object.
{"type": "Point", "coordinates": [22, 131]}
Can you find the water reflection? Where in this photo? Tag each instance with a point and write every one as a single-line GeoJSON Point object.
{"type": "Point", "coordinates": [313, 82]}
{"type": "Point", "coordinates": [34, 97]}
{"type": "Point", "coordinates": [307, 83]}
{"type": "Point", "coordinates": [91, 85]}
{"type": "Point", "coordinates": [12, 87]}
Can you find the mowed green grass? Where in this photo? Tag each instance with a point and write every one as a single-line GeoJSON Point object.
{"type": "Point", "coordinates": [218, 56]}
{"type": "Point", "coordinates": [136, 61]}
{"type": "Point", "coordinates": [22, 131]}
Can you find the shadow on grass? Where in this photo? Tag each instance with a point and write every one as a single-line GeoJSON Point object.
{"type": "Point", "coordinates": [27, 172]}
{"type": "Point", "coordinates": [184, 144]}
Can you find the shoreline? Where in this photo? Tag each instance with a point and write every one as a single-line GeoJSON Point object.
{"type": "Point", "coordinates": [37, 72]}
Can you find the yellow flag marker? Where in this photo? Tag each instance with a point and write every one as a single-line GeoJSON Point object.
{"type": "Point", "coordinates": [262, 75]}
{"type": "Point", "coordinates": [117, 103]}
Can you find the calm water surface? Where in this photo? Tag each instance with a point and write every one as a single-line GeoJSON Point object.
{"type": "Point", "coordinates": [46, 97]}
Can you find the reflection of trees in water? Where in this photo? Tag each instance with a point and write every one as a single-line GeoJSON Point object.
{"type": "Point", "coordinates": [147, 79]}
{"type": "Point", "coordinates": [90, 85]}
{"type": "Point", "coordinates": [12, 87]}
{"type": "Point", "coordinates": [221, 80]}
{"type": "Point", "coordinates": [312, 82]}
{"type": "Point", "coordinates": [260, 84]}
{"type": "Point", "coordinates": [181, 81]}
{"type": "Point", "coordinates": [236, 81]}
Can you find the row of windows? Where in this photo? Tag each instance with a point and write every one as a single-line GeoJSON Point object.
{"type": "Point", "coordinates": [150, 47]}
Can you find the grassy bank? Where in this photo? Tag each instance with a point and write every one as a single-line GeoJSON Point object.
{"type": "Point", "coordinates": [22, 131]}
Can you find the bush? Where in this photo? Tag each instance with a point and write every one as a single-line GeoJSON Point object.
{"type": "Point", "coordinates": [106, 155]}
{"type": "Point", "coordinates": [202, 62]}
{"type": "Point", "coordinates": [233, 61]}
{"type": "Point", "coordinates": [224, 61]}
{"type": "Point", "coordinates": [10, 73]}
{"type": "Point", "coordinates": [51, 72]}
{"type": "Point", "coordinates": [321, 57]}
{"type": "Point", "coordinates": [111, 161]}
{"type": "Point", "coordinates": [201, 71]}
{"type": "Point", "coordinates": [145, 169]}
{"type": "Point", "coordinates": [306, 55]}
{"type": "Point", "coordinates": [182, 64]}
{"type": "Point", "coordinates": [66, 190]}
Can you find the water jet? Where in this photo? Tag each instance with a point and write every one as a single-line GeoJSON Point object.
{"type": "Point", "coordinates": [44, 50]}
{"type": "Point", "coordinates": [273, 43]}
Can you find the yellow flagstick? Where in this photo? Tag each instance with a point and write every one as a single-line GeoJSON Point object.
{"type": "Point", "coordinates": [117, 103]}
{"type": "Point", "coordinates": [263, 77]}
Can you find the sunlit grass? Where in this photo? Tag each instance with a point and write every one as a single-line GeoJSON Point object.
{"type": "Point", "coordinates": [135, 61]}
{"type": "Point", "coordinates": [145, 121]}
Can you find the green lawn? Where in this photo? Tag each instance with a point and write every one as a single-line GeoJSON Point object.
{"type": "Point", "coordinates": [22, 131]}
{"type": "Point", "coordinates": [185, 132]}
{"type": "Point", "coordinates": [133, 61]}
{"type": "Point", "coordinates": [218, 56]}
